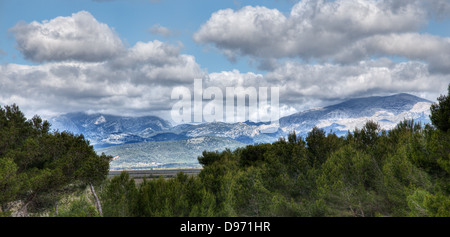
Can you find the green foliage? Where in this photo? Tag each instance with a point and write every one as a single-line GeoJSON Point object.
{"type": "Point", "coordinates": [320, 146]}
{"type": "Point", "coordinates": [317, 148]}
{"type": "Point", "coordinates": [38, 166]}
{"type": "Point", "coordinates": [423, 204]}
{"type": "Point", "coordinates": [367, 137]}
{"type": "Point", "coordinates": [400, 176]}
{"type": "Point", "coordinates": [440, 112]}
{"type": "Point", "coordinates": [10, 183]}
{"type": "Point", "coordinates": [208, 158]}
{"type": "Point", "coordinates": [252, 154]}
{"type": "Point", "coordinates": [119, 195]}
{"type": "Point", "coordinates": [253, 198]}
{"type": "Point", "coordinates": [79, 208]}
{"type": "Point", "coordinates": [348, 182]}
{"type": "Point", "coordinates": [181, 196]}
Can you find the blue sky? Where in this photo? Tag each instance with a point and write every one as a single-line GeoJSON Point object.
{"type": "Point", "coordinates": [131, 20]}
{"type": "Point", "coordinates": [134, 53]}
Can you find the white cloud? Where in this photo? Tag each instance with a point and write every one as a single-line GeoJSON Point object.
{"type": "Point", "coordinates": [86, 67]}
{"type": "Point", "coordinates": [156, 62]}
{"type": "Point", "coordinates": [234, 79]}
{"type": "Point", "coordinates": [247, 30]}
{"type": "Point", "coordinates": [341, 31]}
{"type": "Point", "coordinates": [78, 37]}
{"type": "Point", "coordinates": [69, 87]}
{"type": "Point", "coordinates": [431, 49]}
{"type": "Point", "coordinates": [300, 83]}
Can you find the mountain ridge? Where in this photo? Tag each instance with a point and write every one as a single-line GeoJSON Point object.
{"type": "Point", "coordinates": [387, 110]}
{"type": "Point", "coordinates": [107, 130]}
{"type": "Point", "coordinates": [104, 129]}
{"type": "Point", "coordinates": [112, 133]}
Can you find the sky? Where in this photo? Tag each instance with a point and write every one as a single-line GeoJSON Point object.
{"type": "Point", "coordinates": [127, 57]}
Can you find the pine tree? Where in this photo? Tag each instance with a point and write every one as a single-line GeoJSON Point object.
{"type": "Point", "coordinates": [440, 112]}
{"type": "Point", "coordinates": [38, 166]}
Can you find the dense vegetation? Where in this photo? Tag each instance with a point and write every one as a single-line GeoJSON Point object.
{"type": "Point", "coordinates": [38, 167]}
{"type": "Point", "coordinates": [370, 172]}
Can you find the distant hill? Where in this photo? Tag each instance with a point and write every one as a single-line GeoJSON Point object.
{"type": "Point", "coordinates": [166, 154]}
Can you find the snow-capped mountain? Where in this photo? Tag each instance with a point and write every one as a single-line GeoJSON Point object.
{"type": "Point", "coordinates": [139, 142]}
{"type": "Point", "coordinates": [104, 130]}
{"type": "Point", "coordinates": [387, 111]}
{"type": "Point", "coordinates": [107, 130]}
{"type": "Point", "coordinates": [245, 132]}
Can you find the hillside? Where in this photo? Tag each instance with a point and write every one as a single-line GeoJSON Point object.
{"type": "Point", "coordinates": [165, 154]}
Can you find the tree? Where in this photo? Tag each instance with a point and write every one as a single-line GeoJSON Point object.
{"type": "Point", "coordinates": [119, 196]}
{"type": "Point", "coordinates": [208, 157]}
{"type": "Point", "coordinates": [320, 146]}
{"type": "Point", "coordinates": [438, 142]}
{"type": "Point", "coordinates": [400, 176]}
{"type": "Point", "coordinates": [253, 154]}
{"type": "Point", "coordinates": [348, 181]}
{"type": "Point", "coordinates": [440, 112]}
{"type": "Point", "coordinates": [316, 146]}
{"type": "Point", "coordinates": [250, 197]}
{"type": "Point", "coordinates": [10, 183]}
{"type": "Point", "coordinates": [368, 135]}
{"type": "Point", "coordinates": [39, 166]}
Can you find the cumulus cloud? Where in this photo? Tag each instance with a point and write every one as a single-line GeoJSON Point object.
{"type": "Point", "coordinates": [247, 31]}
{"type": "Point", "coordinates": [429, 48]}
{"type": "Point", "coordinates": [156, 62]}
{"type": "Point", "coordinates": [342, 31]}
{"type": "Point", "coordinates": [306, 85]}
{"type": "Point", "coordinates": [62, 87]}
{"type": "Point", "coordinates": [85, 66]}
{"type": "Point", "coordinates": [78, 37]}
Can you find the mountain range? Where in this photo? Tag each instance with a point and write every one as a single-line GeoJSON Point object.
{"type": "Point", "coordinates": [387, 111]}
{"type": "Point", "coordinates": [107, 130]}
{"type": "Point", "coordinates": [126, 137]}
